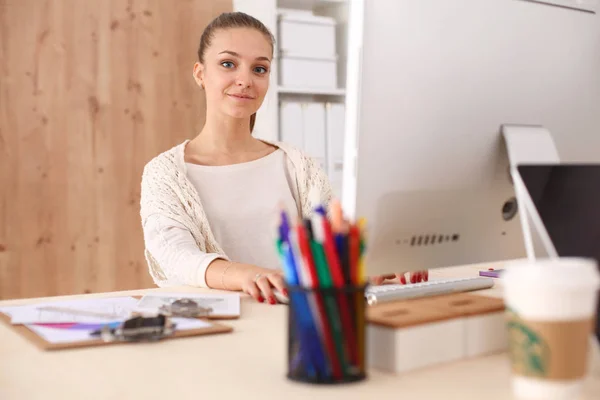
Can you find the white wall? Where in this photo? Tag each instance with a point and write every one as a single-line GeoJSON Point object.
{"type": "Point", "coordinates": [266, 119]}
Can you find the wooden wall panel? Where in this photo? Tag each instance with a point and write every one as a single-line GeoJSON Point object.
{"type": "Point", "coordinates": [89, 92]}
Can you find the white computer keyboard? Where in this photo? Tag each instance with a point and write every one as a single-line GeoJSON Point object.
{"type": "Point", "coordinates": [382, 293]}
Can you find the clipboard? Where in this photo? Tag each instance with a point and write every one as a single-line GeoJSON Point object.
{"type": "Point", "coordinates": [211, 316]}
{"type": "Point", "coordinates": [43, 344]}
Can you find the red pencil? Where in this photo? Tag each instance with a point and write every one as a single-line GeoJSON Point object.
{"type": "Point", "coordinates": [333, 258]}
{"type": "Point", "coordinates": [335, 266]}
{"type": "Point", "coordinates": [354, 249]}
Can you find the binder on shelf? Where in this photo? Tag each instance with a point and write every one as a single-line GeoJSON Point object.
{"type": "Point", "coordinates": [290, 123]}
{"type": "Point", "coordinates": [315, 132]}
{"type": "Point", "coordinates": [335, 120]}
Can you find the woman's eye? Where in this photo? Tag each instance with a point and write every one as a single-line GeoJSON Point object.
{"type": "Point", "coordinates": [227, 64]}
{"type": "Point", "coordinates": [260, 70]}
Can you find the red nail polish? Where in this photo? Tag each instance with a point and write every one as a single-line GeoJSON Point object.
{"type": "Point", "coordinates": [260, 299]}
{"type": "Point", "coordinates": [403, 280]}
{"type": "Point", "coordinates": [272, 300]}
{"type": "Point", "coordinates": [426, 276]}
{"type": "Point", "coordinates": [285, 292]}
{"type": "Point", "coordinates": [413, 279]}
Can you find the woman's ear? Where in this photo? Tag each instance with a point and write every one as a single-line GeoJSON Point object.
{"type": "Point", "coordinates": [199, 74]}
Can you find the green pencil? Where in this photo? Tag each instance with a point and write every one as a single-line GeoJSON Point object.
{"type": "Point", "coordinates": [326, 281]}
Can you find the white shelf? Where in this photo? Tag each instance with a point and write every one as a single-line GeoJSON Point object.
{"type": "Point", "coordinates": [309, 4]}
{"type": "Point", "coordinates": [317, 91]}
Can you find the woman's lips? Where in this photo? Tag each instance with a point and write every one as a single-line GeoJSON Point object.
{"type": "Point", "coordinates": [241, 97]}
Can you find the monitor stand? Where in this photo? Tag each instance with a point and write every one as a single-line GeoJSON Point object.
{"type": "Point", "coordinates": [528, 144]}
{"type": "Point", "coordinates": [533, 145]}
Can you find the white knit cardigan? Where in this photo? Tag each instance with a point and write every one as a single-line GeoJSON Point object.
{"type": "Point", "coordinates": [167, 191]}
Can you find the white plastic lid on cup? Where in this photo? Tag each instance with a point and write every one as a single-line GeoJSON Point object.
{"type": "Point", "coordinates": [552, 289]}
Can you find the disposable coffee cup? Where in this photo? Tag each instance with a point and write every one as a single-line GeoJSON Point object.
{"type": "Point", "coordinates": [551, 311]}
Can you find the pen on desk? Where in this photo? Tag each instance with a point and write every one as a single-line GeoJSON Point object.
{"type": "Point", "coordinates": [79, 312]}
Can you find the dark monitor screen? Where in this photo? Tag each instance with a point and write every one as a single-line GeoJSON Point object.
{"type": "Point", "coordinates": [567, 198]}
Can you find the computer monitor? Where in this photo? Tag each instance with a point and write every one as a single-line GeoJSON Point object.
{"type": "Point", "coordinates": [565, 201]}
{"type": "Point", "coordinates": [430, 83]}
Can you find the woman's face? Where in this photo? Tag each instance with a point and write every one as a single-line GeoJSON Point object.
{"type": "Point", "coordinates": [236, 70]}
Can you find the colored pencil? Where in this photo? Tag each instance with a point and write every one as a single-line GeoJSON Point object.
{"type": "Point", "coordinates": [325, 253]}
{"type": "Point", "coordinates": [309, 262]}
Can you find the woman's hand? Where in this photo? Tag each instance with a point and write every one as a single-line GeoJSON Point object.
{"type": "Point", "coordinates": [256, 281]}
{"type": "Point", "coordinates": [403, 278]}
{"type": "Point", "coordinates": [260, 283]}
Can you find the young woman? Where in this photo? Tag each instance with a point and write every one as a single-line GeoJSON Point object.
{"type": "Point", "coordinates": [208, 205]}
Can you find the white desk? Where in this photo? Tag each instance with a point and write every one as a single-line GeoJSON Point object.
{"type": "Point", "coordinates": [249, 363]}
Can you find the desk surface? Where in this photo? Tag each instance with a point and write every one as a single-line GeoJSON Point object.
{"type": "Point", "coordinates": [249, 363]}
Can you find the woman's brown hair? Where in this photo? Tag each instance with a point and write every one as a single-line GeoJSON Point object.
{"type": "Point", "coordinates": [233, 20]}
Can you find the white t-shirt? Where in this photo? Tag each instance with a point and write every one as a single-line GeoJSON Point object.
{"type": "Point", "coordinates": [242, 203]}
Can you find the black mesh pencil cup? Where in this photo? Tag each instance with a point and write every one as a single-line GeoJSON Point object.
{"type": "Point", "coordinates": [326, 334]}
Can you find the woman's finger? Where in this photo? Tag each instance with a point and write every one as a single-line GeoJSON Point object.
{"type": "Point", "coordinates": [422, 276]}
{"type": "Point", "coordinates": [401, 278]}
{"type": "Point", "coordinates": [265, 287]}
{"type": "Point", "coordinates": [253, 291]}
{"type": "Point", "coordinates": [277, 281]}
{"type": "Point", "coordinates": [413, 277]}
{"type": "Point", "coordinates": [378, 280]}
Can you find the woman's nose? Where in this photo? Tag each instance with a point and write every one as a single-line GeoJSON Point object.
{"type": "Point", "coordinates": [244, 79]}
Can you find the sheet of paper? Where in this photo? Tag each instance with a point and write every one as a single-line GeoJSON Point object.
{"type": "Point", "coordinates": [55, 335]}
{"type": "Point", "coordinates": [59, 335]}
{"type": "Point", "coordinates": [227, 305]}
{"type": "Point", "coordinates": [121, 307]}
{"type": "Point", "coordinates": [185, 324]}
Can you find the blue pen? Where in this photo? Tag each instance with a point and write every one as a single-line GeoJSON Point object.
{"type": "Point", "coordinates": [300, 357]}
{"type": "Point", "coordinates": [307, 327]}
{"type": "Point", "coordinates": [294, 268]}
{"type": "Point", "coordinates": [305, 354]}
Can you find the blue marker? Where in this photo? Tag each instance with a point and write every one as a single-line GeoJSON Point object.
{"type": "Point", "coordinates": [310, 340]}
